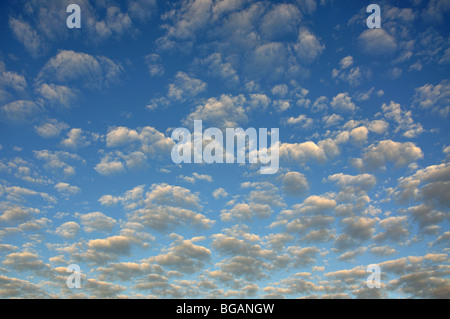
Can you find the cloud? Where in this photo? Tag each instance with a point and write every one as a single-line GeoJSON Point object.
{"type": "Point", "coordinates": [50, 128]}
{"type": "Point", "coordinates": [281, 20]}
{"type": "Point", "coordinates": [80, 69]}
{"type": "Point", "coordinates": [76, 138]}
{"type": "Point", "coordinates": [56, 160]}
{"type": "Point", "coordinates": [68, 230]}
{"type": "Point", "coordinates": [404, 120]}
{"type": "Point", "coordinates": [430, 185]}
{"type": "Point", "coordinates": [20, 111]}
{"type": "Point", "coordinates": [110, 166]}
{"type": "Point", "coordinates": [184, 255]}
{"type": "Point", "coordinates": [227, 111]}
{"type": "Point", "coordinates": [378, 126]}
{"type": "Point", "coordinates": [295, 184]}
{"type": "Point", "coordinates": [377, 156]}
{"type": "Point", "coordinates": [308, 47]}
{"type": "Point", "coordinates": [58, 96]}
{"type": "Point", "coordinates": [96, 221]}
{"type": "Point", "coordinates": [434, 97]}
{"type": "Point", "coordinates": [167, 207]}
{"type": "Point", "coordinates": [32, 42]}
{"type": "Point", "coordinates": [377, 42]}
{"type": "Point", "coordinates": [10, 80]}
{"type": "Point", "coordinates": [343, 103]}
{"type": "Point", "coordinates": [117, 245]}
{"type": "Point", "coordinates": [66, 188]}
{"type": "Point", "coordinates": [302, 152]}
{"type": "Point", "coordinates": [197, 177]}
{"type": "Point", "coordinates": [185, 87]}
{"type": "Point", "coordinates": [24, 261]}
{"type": "Point", "coordinates": [219, 192]}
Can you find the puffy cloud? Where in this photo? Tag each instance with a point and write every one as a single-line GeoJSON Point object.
{"type": "Point", "coordinates": [219, 192]}
{"type": "Point", "coordinates": [378, 126]}
{"type": "Point", "coordinates": [10, 81]}
{"type": "Point", "coordinates": [167, 206]}
{"type": "Point", "coordinates": [66, 188]}
{"type": "Point", "coordinates": [377, 42]}
{"type": "Point", "coordinates": [359, 135]}
{"type": "Point", "coordinates": [395, 229]}
{"type": "Point", "coordinates": [24, 261]}
{"type": "Point", "coordinates": [377, 156]}
{"type": "Point", "coordinates": [227, 111]}
{"type": "Point", "coordinates": [244, 211]}
{"type": "Point", "coordinates": [96, 221]}
{"type": "Point", "coordinates": [117, 245]}
{"type": "Point", "coordinates": [280, 21]}
{"type": "Point", "coordinates": [57, 160]}
{"type": "Point", "coordinates": [434, 97]}
{"type": "Point", "coordinates": [149, 140]}
{"type": "Point", "coordinates": [435, 181]}
{"type": "Point", "coordinates": [68, 230]}
{"type": "Point", "coordinates": [109, 166]}
{"type": "Point", "coordinates": [20, 111]}
{"type": "Point", "coordinates": [343, 103]}
{"type": "Point", "coordinates": [383, 251]}
{"type": "Point", "coordinates": [295, 184]}
{"type": "Point", "coordinates": [28, 36]}
{"type": "Point", "coordinates": [141, 144]}
{"type": "Point", "coordinates": [185, 87]}
{"type": "Point", "coordinates": [302, 152]}
{"type": "Point", "coordinates": [76, 67]}
{"type": "Point", "coordinates": [308, 47]}
{"type": "Point", "coordinates": [354, 184]}
{"type": "Point", "coordinates": [58, 96]}
{"type": "Point", "coordinates": [183, 255]}
{"type": "Point", "coordinates": [76, 138]}
{"type": "Point", "coordinates": [216, 66]}
{"type": "Point", "coordinates": [154, 67]}
{"type": "Point", "coordinates": [404, 119]}
{"type": "Point", "coordinates": [197, 177]}
{"type": "Point", "coordinates": [302, 120]}
{"type": "Point", "coordinates": [18, 288]}
{"type": "Point", "coordinates": [50, 128]}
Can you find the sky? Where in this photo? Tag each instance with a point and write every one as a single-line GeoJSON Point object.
{"type": "Point", "coordinates": [87, 178]}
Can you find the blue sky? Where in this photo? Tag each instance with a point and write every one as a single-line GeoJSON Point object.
{"type": "Point", "coordinates": [86, 176]}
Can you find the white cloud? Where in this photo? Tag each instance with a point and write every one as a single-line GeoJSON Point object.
{"type": "Point", "coordinates": [33, 43]}
{"type": "Point", "coordinates": [228, 111]}
{"type": "Point", "coordinates": [308, 47]}
{"type": "Point", "coordinates": [50, 128]}
{"type": "Point", "coordinates": [434, 97]}
{"type": "Point", "coordinates": [68, 230]}
{"type": "Point", "coordinates": [20, 111]}
{"type": "Point", "coordinates": [96, 221]}
{"type": "Point", "coordinates": [67, 188]}
{"type": "Point", "coordinates": [378, 126]}
{"type": "Point", "coordinates": [377, 42]}
{"type": "Point", "coordinates": [343, 103]}
{"type": "Point", "coordinates": [377, 156]}
{"type": "Point", "coordinates": [295, 184]}
{"type": "Point", "coordinates": [185, 87]}
{"type": "Point", "coordinates": [76, 138]}
{"type": "Point", "coordinates": [80, 68]}
{"type": "Point", "coordinates": [58, 96]}
{"type": "Point", "coordinates": [404, 120]}
{"type": "Point", "coordinates": [220, 192]}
